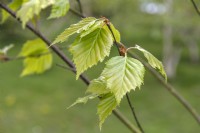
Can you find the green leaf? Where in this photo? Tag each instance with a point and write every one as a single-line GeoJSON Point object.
{"type": "Point", "coordinates": [115, 32]}
{"type": "Point", "coordinates": [6, 49]}
{"type": "Point", "coordinates": [98, 86]}
{"type": "Point", "coordinates": [153, 61]}
{"type": "Point", "coordinates": [105, 107]}
{"type": "Point", "coordinates": [83, 100]}
{"type": "Point", "coordinates": [31, 8]}
{"type": "Point", "coordinates": [90, 49]}
{"type": "Point", "coordinates": [38, 58]}
{"type": "Point", "coordinates": [123, 74]}
{"type": "Point", "coordinates": [14, 5]}
{"type": "Point", "coordinates": [98, 24]}
{"type": "Point", "coordinates": [84, 24]}
{"type": "Point", "coordinates": [59, 9]}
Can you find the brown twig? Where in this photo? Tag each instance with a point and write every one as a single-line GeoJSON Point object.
{"type": "Point", "coordinates": [195, 7]}
{"type": "Point", "coordinates": [170, 88]}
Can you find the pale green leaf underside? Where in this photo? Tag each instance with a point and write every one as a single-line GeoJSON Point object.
{"type": "Point", "coordinates": [153, 61]}
{"type": "Point", "coordinates": [98, 86]}
{"type": "Point", "coordinates": [105, 107]}
{"type": "Point", "coordinates": [90, 49]}
{"type": "Point", "coordinates": [59, 9]}
{"type": "Point", "coordinates": [83, 100]}
{"type": "Point", "coordinates": [84, 24]}
{"type": "Point", "coordinates": [14, 5]}
{"type": "Point", "coordinates": [38, 59]}
{"type": "Point", "coordinates": [123, 74]}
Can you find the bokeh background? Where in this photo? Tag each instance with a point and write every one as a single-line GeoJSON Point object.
{"type": "Point", "coordinates": [168, 29]}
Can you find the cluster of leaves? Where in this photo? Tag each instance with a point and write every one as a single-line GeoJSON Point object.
{"type": "Point", "coordinates": [36, 55]}
{"type": "Point", "coordinates": [121, 73]}
{"type": "Point", "coordinates": [27, 9]}
{"type": "Point", "coordinates": [92, 44]}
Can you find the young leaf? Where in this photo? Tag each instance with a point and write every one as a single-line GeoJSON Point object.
{"type": "Point", "coordinates": [98, 86]}
{"type": "Point", "coordinates": [83, 100]}
{"type": "Point", "coordinates": [105, 107]}
{"type": "Point", "coordinates": [37, 57]}
{"type": "Point", "coordinates": [123, 74]}
{"type": "Point", "coordinates": [31, 8]}
{"type": "Point", "coordinates": [14, 5]}
{"type": "Point", "coordinates": [98, 24]}
{"type": "Point", "coordinates": [91, 49]}
{"type": "Point", "coordinates": [84, 24]}
{"type": "Point", "coordinates": [153, 61]}
{"type": "Point", "coordinates": [59, 8]}
{"type": "Point", "coordinates": [115, 32]}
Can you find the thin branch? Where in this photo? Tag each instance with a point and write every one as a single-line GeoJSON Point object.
{"type": "Point", "coordinates": [80, 6]}
{"type": "Point", "coordinates": [195, 7]}
{"type": "Point", "coordinates": [170, 88]}
{"type": "Point", "coordinates": [122, 118]}
{"type": "Point", "coordinates": [66, 67]}
{"type": "Point", "coordinates": [115, 112]}
{"type": "Point", "coordinates": [122, 50]}
{"type": "Point", "coordinates": [77, 13]}
{"type": "Point", "coordinates": [133, 112]}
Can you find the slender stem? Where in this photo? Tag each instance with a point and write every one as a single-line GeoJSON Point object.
{"type": "Point", "coordinates": [195, 7]}
{"type": "Point", "coordinates": [80, 6]}
{"type": "Point", "coordinates": [77, 13]}
{"type": "Point", "coordinates": [133, 112]}
{"type": "Point", "coordinates": [170, 88]}
{"type": "Point", "coordinates": [121, 49]}
{"type": "Point", "coordinates": [122, 118]}
{"type": "Point", "coordinates": [115, 112]}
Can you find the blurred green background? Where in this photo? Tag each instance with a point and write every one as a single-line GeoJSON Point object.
{"type": "Point", "coordinates": [37, 103]}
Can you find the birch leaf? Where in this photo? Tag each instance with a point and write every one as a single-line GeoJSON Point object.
{"type": "Point", "coordinates": [105, 107]}
{"type": "Point", "coordinates": [122, 75]}
{"type": "Point", "coordinates": [59, 8]}
{"type": "Point", "coordinates": [84, 24]}
{"type": "Point", "coordinates": [90, 49]}
{"type": "Point", "coordinates": [83, 100]}
{"type": "Point", "coordinates": [37, 57]}
{"type": "Point", "coordinates": [153, 61]}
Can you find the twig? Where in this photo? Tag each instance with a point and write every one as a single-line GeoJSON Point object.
{"type": "Point", "coordinates": [77, 13]}
{"type": "Point", "coordinates": [124, 120]}
{"type": "Point", "coordinates": [195, 7]}
{"type": "Point", "coordinates": [116, 112]}
{"type": "Point", "coordinates": [121, 49]}
{"type": "Point", "coordinates": [133, 112]}
{"type": "Point", "coordinates": [170, 88]}
{"type": "Point", "coordinates": [80, 6]}
{"type": "Point", "coordinates": [66, 67]}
